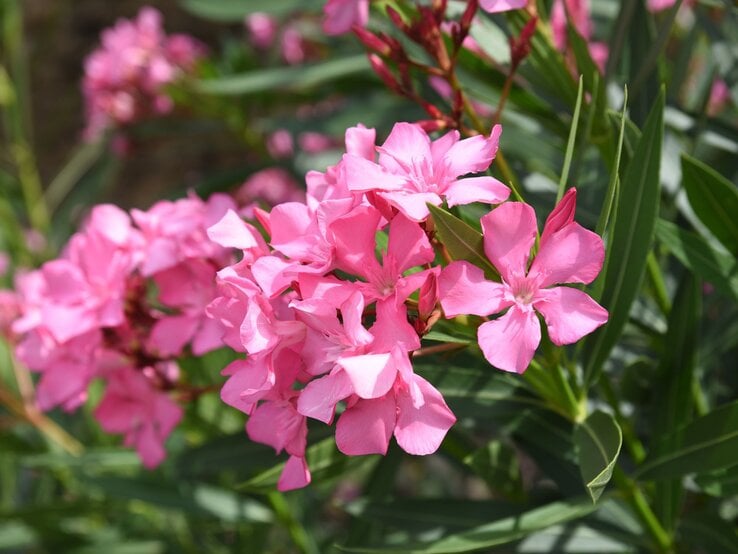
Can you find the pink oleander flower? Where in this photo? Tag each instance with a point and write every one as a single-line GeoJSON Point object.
{"type": "Point", "coordinates": [579, 15]}
{"type": "Point", "coordinates": [262, 29]}
{"type": "Point", "coordinates": [412, 170]}
{"type": "Point", "coordinates": [341, 15]}
{"type": "Point", "coordinates": [145, 416]}
{"type": "Point", "coordinates": [280, 144]}
{"type": "Point", "coordinates": [497, 6]}
{"type": "Point", "coordinates": [568, 253]}
{"type": "Point", "coordinates": [270, 186]}
{"type": "Point", "coordinates": [719, 97]}
{"type": "Point", "coordinates": [125, 78]}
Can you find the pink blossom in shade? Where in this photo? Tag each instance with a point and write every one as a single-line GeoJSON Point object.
{"type": "Point", "coordinates": [659, 5]}
{"type": "Point", "coordinates": [270, 186]}
{"type": "Point", "coordinates": [125, 78]}
{"type": "Point", "coordinates": [341, 15]}
{"type": "Point", "coordinates": [143, 414]}
{"type": "Point", "coordinates": [262, 29]}
{"type": "Point", "coordinates": [314, 143]}
{"type": "Point", "coordinates": [568, 253]}
{"type": "Point", "coordinates": [292, 45]}
{"type": "Point", "coordinates": [10, 309]}
{"type": "Point", "coordinates": [413, 410]}
{"type": "Point", "coordinates": [497, 6]}
{"type": "Point", "coordinates": [719, 97]}
{"type": "Point", "coordinates": [412, 170]}
{"type": "Point", "coordinates": [579, 14]}
{"type": "Point", "coordinates": [280, 144]}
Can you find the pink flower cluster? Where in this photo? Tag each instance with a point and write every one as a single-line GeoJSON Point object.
{"type": "Point", "coordinates": [125, 78]}
{"type": "Point", "coordinates": [123, 301]}
{"type": "Point", "coordinates": [578, 13]}
{"type": "Point", "coordinates": [332, 312]}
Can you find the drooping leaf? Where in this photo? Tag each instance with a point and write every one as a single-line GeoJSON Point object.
{"type": "Point", "coordinates": [714, 199]}
{"type": "Point", "coordinates": [707, 443]}
{"type": "Point", "coordinates": [499, 532]}
{"type": "Point", "coordinates": [285, 78]}
{"type": "Point", "coordinates": [630, 243]}
{"type": "Point", "coordinates": [717, 268]}
{"type": "Point", "coordinates": [462, 241]}
{"type": "Point", "coordinates": [598, 440]}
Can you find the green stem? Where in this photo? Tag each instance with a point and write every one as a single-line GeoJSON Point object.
{"type": "Point", "coordinates": [300, 537]}
{"type": "Point", "coordinates": [632, 443]}
{"type": "Point", "coordinates": [638, 502]}
{"type": "Point", "coordinates": [657, 281]}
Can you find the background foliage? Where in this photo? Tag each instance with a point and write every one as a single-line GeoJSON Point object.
{"type": "Point", "coordinates": [627, 442]}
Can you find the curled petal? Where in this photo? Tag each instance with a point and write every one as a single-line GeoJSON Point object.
{"type": "Point", "coordinates": [569, 313]}
{"type": "Point", "coordinates": [561, 215]}
{"type": "Point", "coordinates": [319, 398]}
{"type": "Point", "coordinates": [509, 233]}
{"type": "Point", "coordinates": [464, 290]}
{"type": "Point", "coordinates": [408, 244]}
{"type": "Point", "coordinates": [372, 375]}
{"type": "Point", "coordinates": [421, 430]}
{"type": "Point", "coordinates": [476, 189]}
{"type": "Point", "coordinates": [474, 154]}
{"type": "Point", "coordinates": [295, 474]}
{"type": "Point", "coordinates": [231, 232]}
{"type": "Point", "coordinates": [510, 341]}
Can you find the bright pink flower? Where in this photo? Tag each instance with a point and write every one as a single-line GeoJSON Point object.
{"type": "Point", "coordinates": [413, 170]}
{"type": "Point", "coordinates": [144, 415]}
{"type": "Point", "coordinates": [262, 29]}
{"type": "Point", "coordinates": [569, 253]}
{"type": "Point", "coordinates": [341, 15]}
{"type": "Point", "coordinates": [496, 6]}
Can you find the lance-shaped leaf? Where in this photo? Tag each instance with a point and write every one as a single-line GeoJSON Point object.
{"type": "Point", "coordinates": [708, 443]}
{"type": "Point", "coordinates": [284, 78]}
{"type": "Point", "coordinates": [598, 440]}
{"type": "Point", "coordinates": [502, 531]}
{"type": "Point", "coordinates": [628, 249]}
{"type": "Point", "coordinates": [714, 199]}
{"type": "Point", "coordinates": [234, 11]}
{"type": "Point", "coordinates": [462, 241]}
{"type": "Point", "coordinates": [717, 268]}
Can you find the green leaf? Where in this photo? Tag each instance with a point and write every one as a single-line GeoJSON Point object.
{"type": "Point", "coordinates": [721, 483]}
{"type": "Point", "coordinates": [598, 440]}
{"type": "Point", "coordinates": [630, 243]}
{"type": "Point", "coordinates": [706, 532]}
{"type": "Point", "coordinates": [462, 241]}
{"type": "Point", "coordinates": [234, 11]}
{"type": "Point", "coordinates": [497, 464]}
{"type": "Point", "coordinates": [708, 443]}
{"type": "Point", "coordinates": [285, 78]}
{"type": "Point", "coordinates": [714, 199]}
{"type": "Point", "coordinates": [571, 142]}
{"type": "Point", "coordinates": [323, 459]}
{"type": "Point", "coordinates": [718, 268]}
{"type": "Point", "coordinates": [675, 377]}
{"type": "Point", "coordinates": [499, 532]}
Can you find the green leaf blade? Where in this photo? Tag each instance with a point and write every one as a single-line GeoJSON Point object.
{"type": "Point", "coordinates": [598, 441]}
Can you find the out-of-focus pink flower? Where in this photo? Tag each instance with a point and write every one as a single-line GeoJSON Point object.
{"type": "Point", "coordinates": [4, 264]}
{"type": "Point", "coordinates": [314, 143]}
{"type": "Point", "coordinates": [9, 312]}
{"type": "Point", "coordinates": [659, 5]}
{"type": "Point", "coordinates": [270, 186]}
{"type": "Point", "coordinates": [262, 29]}
{"type": "Point", "coordinates": [125, 78]}
{"type": "Point", "coordinates": [719, 97]}
{"type": "Point", "coordinates": [35, 241]}
{"type": "Point", "coordinates": [578, 12]}
{"type": "Point", "coordinates": [341, 15]}
{"type": "Point", "coordinates": [497, 6]}
{"type": "Point", "coordinates": [569, 253]}
{"type": "Point", "coordinates": [144, 415]}
{"type": "Point", "coordinates": [292, 45]}
{"type": "Point", "coordinates": [280, 144]}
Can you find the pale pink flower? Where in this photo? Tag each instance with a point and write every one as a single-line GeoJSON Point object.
{"type": "Point", "coordinates": [262, 29]}
{"type": "Point", "coordinates": [143, 414]}
{"type": "Point", "coordinates": [568, 253]}
{"type": "Point", "coordinates": [497, 6]}
{"type": "Point", "coordinates": [412, 170]}
{"type": "Point", "coordinates": [341, 15]}
{"type": "Point", "coordinates": [314, 143]}
{"type": "Point", "coordinates": [279, 144]}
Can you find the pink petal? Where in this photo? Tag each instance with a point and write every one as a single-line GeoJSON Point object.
{"type": "Point", "coordinates": [363, 175]}
{"type": "Point", "coordinates": [319, 398]}
{"type": "Point", "coordinates": [440, 146]}
{"type": "Point", "coordinates": [571, 255]}
{"type": "Point", "coordinates": [150, 447]}
{"type": "Point", "coordinates": [170, 335]}
{"type": "Point", "coordinates": [569, 313]}
{"type": "Point", "coordinates": [209, 337]}
{"type": "Point", "coordinates": [510, 341]}
{"type": "Point", "coordinates": [341, 15]}
{"type": "Point", "coordinates": [290, 223]}
{"type": "Point", "coordinates": [360, 142]}
{"type": "Point", "coordinates": [352, 311]}
{"type": "Point", "coordinates": [496, 6]}
{"type": "Point", "coordinates": [273, 274]}
{"type": "Point", "coordinates": [295, 475]}
{"type": "Point", "coordinates": [372, 375]}
{"type": "Point", "coordinates": [231, 232]}
{"type": "Point", "coordinates": [509, 233]}
{"type": "Point", "coordinates": [249, 382]}
{"type": "Point", "coordinates": [392, 329]}
{"type": "Point", "coordinates": [476, 189]}
{"type": "Point", "coordinates": [464, 290]}
{"type": "Point", "coordinates": [408, 244]}
{"type": "Point", "coordinates": [420, 431]}
{"type": "Point", "coordinates": [406, 145]}
{"type": "Point", "coordinates": [275, 424]}
{"type": "Point", "coordinates": [413, 205]}
{"type": "Point", "coordinates": [354, 239]}
{"type": "Point", "coordinates": [474, 154]}
{"type": "Point", "coordinates": [366, 427]}
{"type": "Point", "coordinates": [561, 215]}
